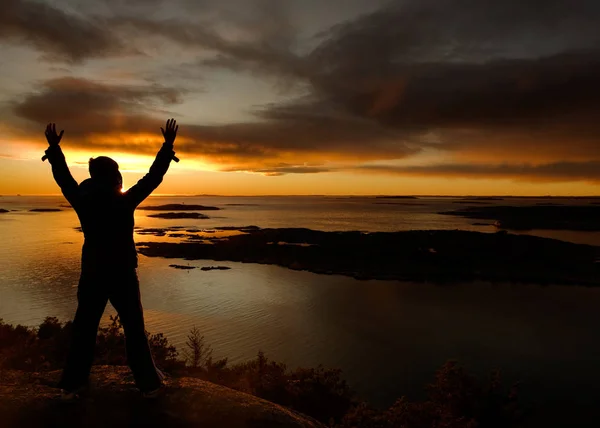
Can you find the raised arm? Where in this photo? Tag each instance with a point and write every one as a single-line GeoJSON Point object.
{"type": "Point", "coordinates": [152, 180]}
{"type": "Point", "coordinates": [60, 170]}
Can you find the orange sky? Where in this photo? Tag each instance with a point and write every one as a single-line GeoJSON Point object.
{"type": "Point", "coordinates": [34, 177]}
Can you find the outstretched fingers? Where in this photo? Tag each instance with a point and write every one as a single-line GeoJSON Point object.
{"type": "Point", "coordinates": [51, 135]}
{"type": "Point", "coordinates": [171, 125]}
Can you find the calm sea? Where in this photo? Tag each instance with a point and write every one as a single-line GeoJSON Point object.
{"type": "Point", "coordinates": [388, 337]}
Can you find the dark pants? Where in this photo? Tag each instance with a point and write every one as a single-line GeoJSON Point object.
{"type": "Point", "coordinates": [121, 287]}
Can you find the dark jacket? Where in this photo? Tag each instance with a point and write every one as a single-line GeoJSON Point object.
{"type": "Point", "coordinates": [106, 215]}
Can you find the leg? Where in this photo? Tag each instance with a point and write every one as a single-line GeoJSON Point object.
{"type": "Point", "coordinates": [91, 304]}
{"type": "Point", "coordinates": [125, 297]}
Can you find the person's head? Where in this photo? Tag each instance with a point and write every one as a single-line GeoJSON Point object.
{"type": "Point", "coordinates": [105, 172]}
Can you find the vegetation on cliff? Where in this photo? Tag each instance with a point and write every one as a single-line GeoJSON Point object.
{"type": "Point", "coordinates": [455, 399]}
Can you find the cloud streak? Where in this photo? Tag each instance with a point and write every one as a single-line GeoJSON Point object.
{"type": "Point", "coordinates": [559, 171]}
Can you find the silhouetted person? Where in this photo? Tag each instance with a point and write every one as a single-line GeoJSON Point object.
{"type": "Point", "coordinates": [109, 260]}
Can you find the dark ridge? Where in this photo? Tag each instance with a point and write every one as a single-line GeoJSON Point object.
{"type": "Point", "coordinates": [183, 267]}
{"type": "Point", "coordinates": [171, 216]}
{"type": "Point", "coordinates": [207, 268]}
{"type": "Point", "coordinates": [471, 202]}
{"type": "Point", "coordinates": [435, 256]}
{"type": "Point", "coordinates": [483, 198]}
{"type": "Point", "coordinates": [178, 207]}
{"type": "Point", "coordinates": [65, 206]}
{"type": "Point", "coordinates": [240, 228]}
{"type": "Point", "coordinates": [552, 217]}
{"type": "Point", "coordinates": [2, 210]}
{"type": "Point", "coordinates": [44, 210]}
{"type": "Point", "coordinates": [409, 204]}
{"type": "Point", "coordinates": [396, 197]}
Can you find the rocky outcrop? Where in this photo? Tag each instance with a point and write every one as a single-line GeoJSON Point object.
{"type": "Point", "coordinates": [30, 400]}
{"type": "Point", "coordinates": [433, 255]}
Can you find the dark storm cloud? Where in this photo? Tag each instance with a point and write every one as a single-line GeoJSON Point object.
{"type": "Point", "coordinates": [87, 108]}
{"type": "Point", "coordinates": [505, 107]}
{"type": "Point", "coordinates": [490, 68]}
{"type": "Point", "coordinates": [79, 101]}
{"type": "Point", "coordinates": [59, 34]}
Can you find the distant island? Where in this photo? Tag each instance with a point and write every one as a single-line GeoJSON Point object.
{"type": "Point", "coordinates": [44, 210]}
{"type": "Point", "coordinates": [178, 207]}
{"type": "Point", "coordinates": [552, 217]}
{"type": "Point", "coordinates": [433, 256]}
{"type": "Point", "coordinates": [171, 216]}
{"type": "Point", "coordinates": [2, 210]}
{"type": "Point", "coordinates": [182, 267]}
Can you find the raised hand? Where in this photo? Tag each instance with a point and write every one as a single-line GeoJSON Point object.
{"type": "Point", "coordinates": [171, 132]}
{"type": "Point", "coordinates": [51, 135]}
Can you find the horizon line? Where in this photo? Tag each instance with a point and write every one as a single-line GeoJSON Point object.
{"type": "Point", "coordinates": [348, 195]}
